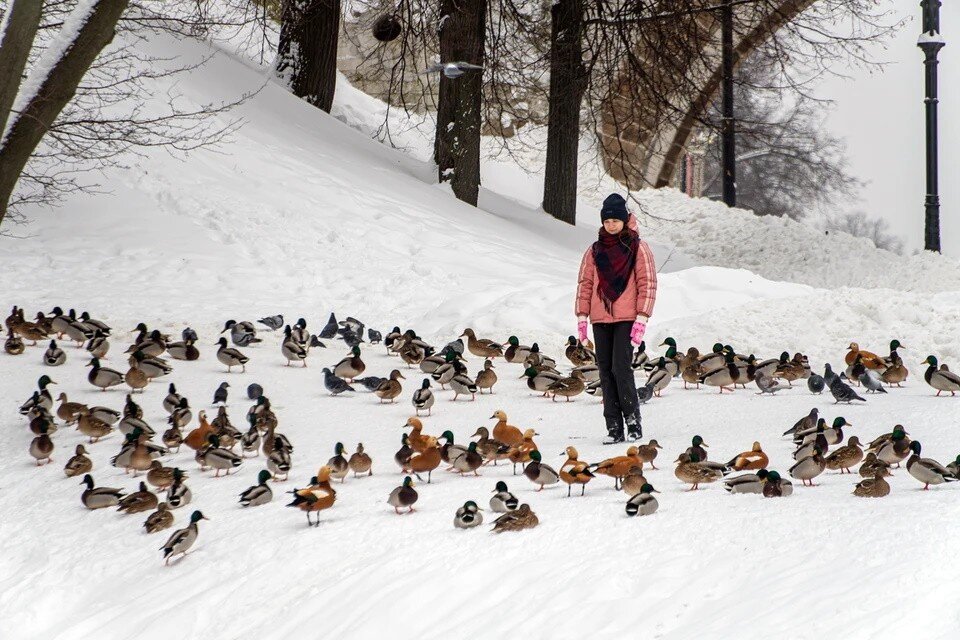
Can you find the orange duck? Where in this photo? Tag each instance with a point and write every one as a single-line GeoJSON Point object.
{"type": "Point", "coordinates": [520, 454]}
{"type": "Point", "coordinates": [753, 459]}
{"type": "Point", "coordinates": [417, 440]}
{"type": "Point", "coordinates": [317, 497]}
{"type": "Point", "coordinates": [619, 466]}
{"type": "Point", "coordinates": [870, 360]}
{"type": "Point", "coordinates": [197, 438]}
{"type": "Point", "coordinates": [575, 471]}
{"type": "Point", "coordinates": [506, 433]}
{"type": "Point", "coordinates": [425, 461]}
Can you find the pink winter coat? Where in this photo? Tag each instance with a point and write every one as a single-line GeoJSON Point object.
{"type": "Point", "coordinates": [637, 299]}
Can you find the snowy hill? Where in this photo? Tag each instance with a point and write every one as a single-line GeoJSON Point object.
{"type": "Point", "coordinates": [301, 214]}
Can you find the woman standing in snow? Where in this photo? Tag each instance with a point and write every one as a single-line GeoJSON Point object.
{"type": "Point", "coordinates": [616, 290]}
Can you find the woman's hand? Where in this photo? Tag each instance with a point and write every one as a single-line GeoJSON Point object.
{"type": "Point", "coordinates": [582, 329]}
{"type": "Point", "coordinates": [637, 332]}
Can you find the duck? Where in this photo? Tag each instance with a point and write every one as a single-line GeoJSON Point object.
{"type": "Point", "coordinates": [587, 372]}
{"type": "Point", "coordinates": [54, 356]}
{"type": "Point", "coordinates": [339, 467]}
{"type": "Point", "coordinates": [425, 461]}
{"type": "Point", "coordinates": [351, 366]}
{"type": "Point", "coordinates": [178, 494]}
{"type": "Point", "coordinates": [575, 471]}
{"type": "Point", "coordinates": [481, 347]}
{"type": "Point", "coordinates": [153, 367]}
{"type": "Point", "coordinates": [291, 349]}
{"type": "Point", "coordinates": [941, 379]}
{"type": "Point", "coordinates": [93, 428]}
{"type": "Point", "coordinates": [219, 458]}
{"type": "Point", "coordinates": [540, 380]}
{"type": "Point", "coordinates": [137, 452]}
{"type": "Point", "coordinates": [746, 483]}
{"type": "Point", "coordinates": [423, 398]}
{"type": "Point", "coordinates": [136, 379]}
{"type": "Point", "coordinates": [360, 462]}
{"type": "Point", "coordinates": [403, 454]}
{"type": "Point", "coordinates": [317, 497]}
{"type": "Point", "coordinates": [242, 333]}
{"type": "Point", "coordinates": [539, 473]}
{"type": "Point", "coordinates": [278, 460]}
{"type": "Point", "coordinates": [250, 440]}
{"type": "Point", "coordinates": [403, 496]}
{"type": "Point", "coordinates": [258, 494]}
{"type": "Point", "coordinates": [231, 357]}
{"type": "Point", "coordinates": [698, 447]}
{"type": "Point", "coordinates": [537, 358]}
{"type": "Point", "coordinates": [643, 503]}
{"type": "Point", "coordinates": [640, 357]}
{"type": "Point", "coordinates": [724, 377]}
{"type": "Point", "coordinates": [633, 481]}
{"type": "Point", "coordinates": [106, 414]}
{"type": "Point", "coordinates": [431, 363]}
{"type": "Point", "coordinates": [103, 377]}
{"type": "Point", "coordinates": [808, 468]}
{"type": "Point", "coordinates": [515, 352]}
{"type": "Point", "coordinates": [520, 454]}
{"type": "Point", "coordinates": [490, 448]}
{"type": "Point", "coordinates": [172, 438]}
{"type": "Point", "coordinates": [505, 433]}
{"type": "Point", "coordinates": [618, 466]}
{"type": "Point", "coordinates": [927, 470]}
{"type": "Point", "coordinates": [468, 461]}
{"type": "Point", "coordinates": [79, 463]}
{"type": "Point", "coordinates": [160, 519]}
{"type": "Point", "coordinates": [449, 451]}
{"type": "Point", "coordinates": [299, 333]}
{"type": "Point", "coordinates": [138, 501]}
{"type": "Point", "coordinates": [99, 497]}
{"type": "Point", "coordinates": [753, 459]}
{"type": "Point", "coordinates": [954, 467]}
{"type": "Point", "coordinates": [502, 500]}
{"type": "Point", "coordinates": [160, 476]}
{"type": "Point", "coordinates": [846, 456]}
{"type": "Point", "coordinates": [895, 449]}
{"type": "Point", "coordinates": [468, 516]}
{"type": "Point", "coordinates": [68, 411]}
{"type": "Point", "coordinates": [183, 350]}
{"type": "Point", "coordinates": [871, 465]}
{"type": "Point", "coordinates": [180, 542]}
{"type": "Point", "coordinates": [486, 377]}
{"type": "Point", "coordinates": [648, 453]}
{"type": "Point", "coordinates": [522, 518]}
{"type": "Point", "coordinates": [896, 373]}
{"type": "Point", "coordinates": [814, 441]}
{"type": "Point", "coordinates": [690, 471]}
{"type": "Point", "coordinates": [567, 388]}
{"type": "Point", "coordinates": [41, 447]}
{"type": "Point", "coordinates": [577, 354]}
{"type": "Point", "coordinates": [390, 388]}
{"type": "Point", "coordinates": [462, 385]}
{"type": "Point", "coordinates": [659, 377]}
{"type": "Point", "coordinates": [28, 330]}
{"type": "Point", "coordinates": [874, 487]}
{"type": "Point", "coordinates": [452, 366]}
{"type": "Point", "coordinates": [870, 360]}
{"type": "Point", "coordinates": [776, 487]}
{"type": "Point", "coordinates": [418, 441]}
{"type": "Point", "coordinates": [200, 436]}
{"type": "Point", "coordinates": [13, 344]}
{"type": "Point", "coordinates": [690, 374]}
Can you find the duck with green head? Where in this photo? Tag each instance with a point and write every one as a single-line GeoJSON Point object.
{"type": "Point", "coordinates": [468, 516]}
{"type": "Point", "coordinates": [941, 379]}
{"type": "Point", "coordinates": [180, 542]}
{"type": "Point", "coordinates": [643, 503]}
{"type": "Point", "coordinates": [927, 470]}
{"type": "Point", "coordinates": [515, 352]}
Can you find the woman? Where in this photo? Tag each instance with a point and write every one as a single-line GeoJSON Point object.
{"type": "Point", "coordinates": [616, 290]}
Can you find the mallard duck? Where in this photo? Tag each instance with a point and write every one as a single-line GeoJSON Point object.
{"type": "Point", "coordinates": [941, 379]}
{"type": "Point", "coordinates": [505, 433]}
{"type": "Point", "coordinates": [874, 487]}
{"type": "Point", "coordinates": [424, 461]}
{"type": "Point", "coordinates": [691, 373]}
{"type": "Point", "coordinates": [351, 366]}
{"type": "Point", "coordinates": [577, 354]}
{"type": "Point", "coordinates": [586, 373]}
{"type": "Point", "coordinates": [423, 398]}
{"type": "Point", "coordinates": [522, 518]}
{"type": "Point", "coordinates": [108, 415]}
{"type": "Point", "coordinates": [230, 356]}
{"type": "Point", "coordinates": [896, 373]}
{"type": "Point", "coordinates": [690, 471]}
{"type": "Point", "coordinates": [648, 453]}
{"type": "Point", "coordinates": [172, 438]}
{"type": "Point", "coordinates": [179, 494]}
{"type": "Point", "coordinates": [136, 379]}
{"type": "Point", "coordinates": [893, 450]}
{"type": "Point", "coordinates": [242, 333]}
{"type": "Point", "coordinates": [954, 467]}
{"type": "Point", "coordinates": [481, 347]}
{"type": "Point", "coordinates": [575, 471]}
{"type": "Point", "coordinates": [870, 360]}
{"type": "Point", "coordinates": [468, 516]}
{"type": "Point", "coordinates": [99, 497]}
{"type": "Point", "coordinates": [775, 486]}
{"type": "Point", "coordinates": [403, 496]}
{"type": "Point", "coordinates": [633, 481]}
{"type": "Point", "coordinates": [219, 458]}
{"type": "Point", "coordinates": [402, 456]}
{"type": "Point", "coordinates": [153, 367]}
{"type": "Point", "coordinates": [698, 447]}
{"type": "Point", "coordinates": [278, 460]}
{"type": "Point", "coordinates": [871, 465]}
{"type": "Point", "coordinates": [360, 462]}
{"type": "Point", "coordinates": [463, 385]}
{"type": "Point", "coordinates": [180, 542]}
{"type": "Point", "coordinates": [41, 447]}
{"type": "Point", "coordinates": [618, 466]}
{"type": "Point", "coordinates": [68, 411]}
{"type": "Point", "coordinates": [808, 468]}
{"type": "Point", "coordinates": [137, 453]}
{"type": "Point", "coordinates": [927, 470]}
{"type": "Point", "coordinates": [468, 461]}
{"type": "Point", "coordinates": [431, 363]}
{"type": "Point", "coordinates": [643, 503]}
{"type": "Point", "coordinates": [753, 459]}
{"type": "Point", "coordinates": [291, 349]}
{"type": "Point", "coordinates": [160, 519]}
{"type": "Point", "coordinates": [540, 381]}
{"type": "Point", "coordinates": [515, 351]}
{"type": "Point", "coordinates": [539, 473]}
{"type": "Point", "coordinates": [746, 483]}
{"type": "Point", "coordinates": [724, 377]}
{"type": "Point", "coordinates": [92, 428]}
{"type": "Point", "coordinates": [28, 330]}
{"type": "Point", "coordinates": [79, 463]}
{"type": "Point", "coordinates": [250, 440]}
{"type": "Point", "coordinates": [567, 388]}
{"type": "Point", "coordinates": [140, 500]}
{"type": "Point", "coordinates": [54, 356]}
{"type": "Point", "coordinates": [183, 350]}
{"type": "Point", "coordinates": [390, 388]}
{"type": "Point", "coordinates": [640, 357]}
{"type": "Point", "coordinates": [538, 359]}
{"type": "Point", "coordinates": [452, 366]}
{"type": "Point", "coordinates": [816, 440]}
{"type": "Point", "coordinates": [13, 344]}
{"type": "Point", "coordinates": [449, 451]}
{"type": "Point", "coordinates": [339, 467]}
{"type": "Point", "coordinates": [659, 377]}
{"type": "Point", "coordinates": [103, 377]}
{"type": "Point", "coordinates": [487, 377]}
{"type": "Point", "coordinates": [160, 476]}
{"type": "Point", "coordinates": [299, 333]}
{"type": "Point", "coordinates": [258, 494]}
{"type": "Point", "coordinates": [502, 500]}
{"type": "Point", "coordinates": [490, 448]}
{"type": "Point", "coordinates": [845, 457]}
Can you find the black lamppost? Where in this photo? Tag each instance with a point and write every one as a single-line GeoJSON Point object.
{"type": "Point", "coordinates": [931, 43]}
{"type": "Point", "coordinates": [728, 129]}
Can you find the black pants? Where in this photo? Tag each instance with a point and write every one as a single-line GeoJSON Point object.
{"type": "Point", "coordinates": [614, 359]}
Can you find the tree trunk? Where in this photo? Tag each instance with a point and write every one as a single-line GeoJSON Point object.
{"type": "Point", "coordinates": [462, 40]}
{"type": "Point", "coordinates": [567, 83]}
{"type": "Point", "coordinates": [307, 50]}
{"type": "Point", "coordinates": [23, 18]}
{"type": "Point", "coordinates": [54, 91]}
{"type": "Point", "coordinates": [446, 95]}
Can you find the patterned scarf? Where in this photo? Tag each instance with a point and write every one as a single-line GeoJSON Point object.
{"type": "Point", "coordinates": [615, 257]}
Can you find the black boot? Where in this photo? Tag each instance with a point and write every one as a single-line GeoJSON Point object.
{"type": "Point", "coordinates": [614, 431]}
{"type": "Point", "coordinates": [634, 425]}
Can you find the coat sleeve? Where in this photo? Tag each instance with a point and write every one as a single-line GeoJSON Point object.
{"type": "Point", "coordinates": [585, 285]}
{"type": "Point", "coordinates": [645, 273]}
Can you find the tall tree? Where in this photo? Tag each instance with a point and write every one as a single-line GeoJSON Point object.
{"type": "Point", "coordinates": [307, 50]}
{"type": "Point", "coordinates": [567, 83]}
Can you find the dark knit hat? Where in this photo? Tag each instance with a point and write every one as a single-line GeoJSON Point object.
{"type": "Point", "coordinates": [614, 207]}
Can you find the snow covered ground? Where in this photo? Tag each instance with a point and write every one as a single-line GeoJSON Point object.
{"type": "Point", "coordinates": [301, 214]}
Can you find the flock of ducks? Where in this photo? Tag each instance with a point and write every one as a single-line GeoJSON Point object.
{"type": "Point", "coordinates": [222, 448]}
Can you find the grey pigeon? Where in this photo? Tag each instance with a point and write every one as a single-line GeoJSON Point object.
{"type": "Point", "coordinates": [828, 375]}
{"type": "Point", "coordinates": [220, 395]}
{"type": "Point", "coordinates": [456, 346]}
{"type": "Point", "coordinates": [315, 342]}
{"type": "Point", "coordinates": [352, 324]}
{"type": "Point", "coordinates": [272, 322]}
{"type": "Point", "coordinates": [254, 391]}
{"type": "Point", "coordinates": [644, 393]}
{"type": "Point", "coordinates": [842, 392]}
{"type": "Point", "coordinates": [806, 422]}
{"type": "Point", "coordinates": [452, 70]}
{"type": "Point", "coordinates": [871, 381]}
{"type": "Point", "coordinates": [352, 339]}
{"type": "Point", "coordinates": [816, 383]}
{"type": "Point", "coordinates": [334, 384]}
{"type": "Point", "coordinates": [330, 329]}
{"type": "Point", "coordinates": [375, 336]}
{"type": "Point", "coordinates": [189, 334]}
{"type": "Point", "coordinates": [370, 383]}
{"type": "Point", "coordinates": [766, 384]}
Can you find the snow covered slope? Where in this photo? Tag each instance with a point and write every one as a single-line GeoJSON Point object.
{"type": "Point", "coordinates": [301, 214]}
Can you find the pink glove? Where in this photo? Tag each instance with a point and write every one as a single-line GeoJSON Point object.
{"type": "Point", "coordinates": [636, 334]}
{"type": "Point", "coordinates": [582, 330]}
